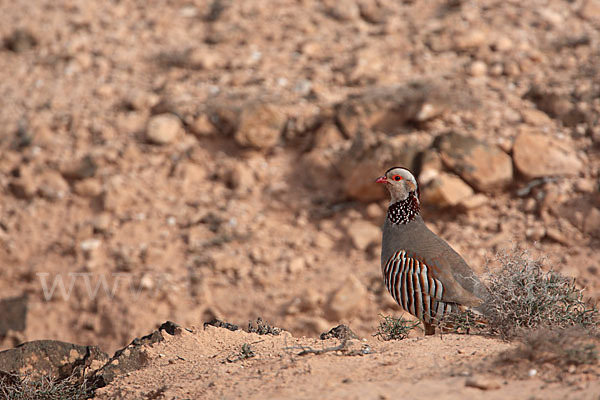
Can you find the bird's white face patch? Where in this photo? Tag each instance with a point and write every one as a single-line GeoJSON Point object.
{"type": "Point", "coordinates": [402, 175]}
{"type": "Point", "coordinates": [401, 183]}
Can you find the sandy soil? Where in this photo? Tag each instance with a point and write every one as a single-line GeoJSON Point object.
{"type": "Point", "coordinates": [244, 206]}
{"type": "Point", "coordinates": [197, 365]}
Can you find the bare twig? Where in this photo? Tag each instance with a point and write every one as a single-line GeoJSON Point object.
{"type": "Point", "coordinates": [309, 350]}
{"type": "Point", "coordinates": [524, 191]}
{"type": "Point", "coordinates": [343, 347]}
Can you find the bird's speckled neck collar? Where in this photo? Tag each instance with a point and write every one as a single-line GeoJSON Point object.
{"type": "Point", "coordinates": [404, 211]}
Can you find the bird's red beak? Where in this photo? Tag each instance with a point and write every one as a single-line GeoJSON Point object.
{"type": "Point", "coordinates": [381, 179]}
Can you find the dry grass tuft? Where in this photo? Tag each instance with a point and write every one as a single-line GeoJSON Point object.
{"type": "Point", "coordinates": [245, 353]}
{"type": "Point", "coordinates": [394, 328]}
{"type": "Point", "coordinates": [524, 296]}
{"type": "Point", "coordinates": [15, 387]}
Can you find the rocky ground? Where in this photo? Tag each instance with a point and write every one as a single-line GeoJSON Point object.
{"type": "Point", "coordinates": [186, 160]}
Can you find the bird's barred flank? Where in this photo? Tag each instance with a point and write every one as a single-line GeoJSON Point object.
{"type": "Point", "coordinates": [411, 285]}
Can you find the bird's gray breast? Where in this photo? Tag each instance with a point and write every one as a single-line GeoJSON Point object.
{"type": "Point", "coordinates": [409, 237]}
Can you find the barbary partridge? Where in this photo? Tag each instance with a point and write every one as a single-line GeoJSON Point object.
{"type": "Point", "coordinates": [422, 272]}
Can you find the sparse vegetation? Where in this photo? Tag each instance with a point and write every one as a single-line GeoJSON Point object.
{"type": "Point", "coordinates": [15, 387]}
{"type": "Point", "coordinates": [263, 328]}
{"type": "Point", "coordinates": [463, 322]}
{"type": "Point", "coordinates": [342, 332]}
{"type": "Point", "coordinates": [392, 328]}
{"type": "Point", "coordinates": [245, 353]}
{"type": "Point", "coordinates": [524, 296]}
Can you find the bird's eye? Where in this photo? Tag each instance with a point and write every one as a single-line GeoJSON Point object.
{"type": "Point", "coordinates": [397, 178]}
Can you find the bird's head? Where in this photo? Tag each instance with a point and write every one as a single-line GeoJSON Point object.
{"type": "Point", "coordinates": [400, 182]}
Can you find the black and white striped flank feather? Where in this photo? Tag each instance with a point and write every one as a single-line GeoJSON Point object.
{"type": "Point", "coordinates": [412, 284]}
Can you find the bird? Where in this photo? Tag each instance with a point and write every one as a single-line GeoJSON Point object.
{"type": "Point", "coordinates": [424, 275]}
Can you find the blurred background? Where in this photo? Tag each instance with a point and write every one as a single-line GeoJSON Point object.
{"type": "Point", "coordinates": [187, 160]}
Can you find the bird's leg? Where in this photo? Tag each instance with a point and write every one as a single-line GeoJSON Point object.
{"type": "Point", "coordinates": [429, 329]}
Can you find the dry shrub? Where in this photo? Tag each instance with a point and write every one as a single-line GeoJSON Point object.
{"type": "Point", "coordinates": [15, 387]}
{"type": "Point", "coordinates": [524, 296]}
{"type": "Point", "coordinates": [394, 328]}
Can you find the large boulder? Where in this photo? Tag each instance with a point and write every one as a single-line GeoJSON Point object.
{"type": "Point", "coordinates": [538, 154]}
{"type": "Point", "coordinates": [484, 166]}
